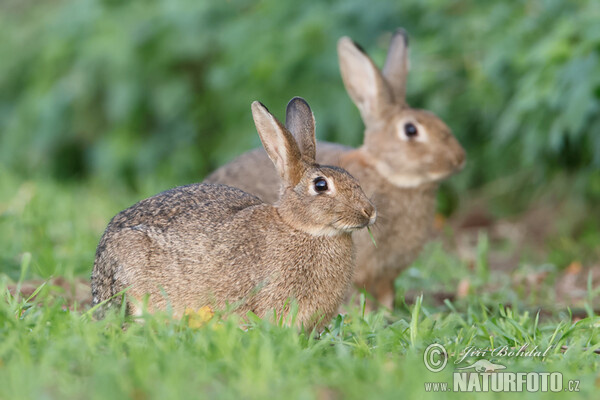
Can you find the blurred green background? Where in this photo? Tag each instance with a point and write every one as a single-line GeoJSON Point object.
{"type": "Point", "coordinates": [127, 90]}
{"type": "Point", "coordinates": [120, 99]}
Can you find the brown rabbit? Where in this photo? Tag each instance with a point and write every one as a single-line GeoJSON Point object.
{"type": "Point", "coordinates": [214, 245]}
{"type": "Point", "coordinates": [406, 153]}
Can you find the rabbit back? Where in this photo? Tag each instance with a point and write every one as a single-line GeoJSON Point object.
{"type": "Point", "coordinates": [145, 242]}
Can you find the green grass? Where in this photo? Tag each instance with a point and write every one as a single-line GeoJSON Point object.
{"type": "Point", "coordinates": [48, 351]}
{"type": "Point", "coordinates": [51, 349]}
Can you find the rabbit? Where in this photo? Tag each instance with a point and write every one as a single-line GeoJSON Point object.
{"type": "Point", "coordinates": [215, 245]}
{"type": "Point", "coordinates": [405, 154]}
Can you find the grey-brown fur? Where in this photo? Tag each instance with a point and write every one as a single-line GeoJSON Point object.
{"type": "Point", "coordinates": [213, 245]}
{"type": "Point", "coordinates": [399, 174]}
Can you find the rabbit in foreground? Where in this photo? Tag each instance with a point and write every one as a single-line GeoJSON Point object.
{"type": "Point", "coordinates": [405, 154]}
{"type": "Point", "coordinates": [214, 245]}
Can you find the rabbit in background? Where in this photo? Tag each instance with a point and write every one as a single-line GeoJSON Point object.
{"type": "Point", "coordinates": [405, 154]}
{"type": "Point", "coordinates": [215, 245]}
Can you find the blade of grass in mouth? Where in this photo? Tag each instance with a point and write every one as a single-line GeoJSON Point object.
{"type": "Point", "coordinates": [371, 234]}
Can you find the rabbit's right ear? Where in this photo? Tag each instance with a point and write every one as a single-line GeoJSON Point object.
{"type": "Point", "coordinates": [395, 69]}
{"type": "Point", "coordinates": [363, 81]}
{"type": "Point", "coordinates": [300, 121]}
{"type": "Point", "coordinates": [280, 145]}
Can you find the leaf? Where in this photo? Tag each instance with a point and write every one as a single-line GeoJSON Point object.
{"type": "Point", "coordinates": [198, 318]}
{"type": "Point", "coordinates": [414, 322]}
{"type": "Point", "coordinates": [371, 234]}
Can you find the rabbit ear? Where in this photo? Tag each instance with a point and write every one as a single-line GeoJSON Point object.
{"type": "Point", "coordinates": [363, 81]}
{"type": "Point", "coordinates": [396, 64]}
{"type": "Point", "coordinates": [300, 121]}
{"type": "Point", "coordinates": [280, 145]}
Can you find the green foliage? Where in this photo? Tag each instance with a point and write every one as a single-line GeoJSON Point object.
{"type": "Point", "coordinates": [518, 81]}
{"type": "Point", "coordinates": [127, 90]}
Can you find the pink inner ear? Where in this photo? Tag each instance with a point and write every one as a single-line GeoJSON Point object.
{"type": "Point", "coordinates": [281, 165]}
{"type": "Point", "coordinates": [282, 156]}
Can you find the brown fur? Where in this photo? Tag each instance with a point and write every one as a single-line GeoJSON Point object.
{"type": "Point", "coordinates": [399, 174]}
{"type": "Point", "coordinates": [214, 245]}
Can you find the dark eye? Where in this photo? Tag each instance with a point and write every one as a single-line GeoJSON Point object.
{"type": "Point", "coordinates": [410, 130]}
{"type": "Point", "coordinates": [320, 184]}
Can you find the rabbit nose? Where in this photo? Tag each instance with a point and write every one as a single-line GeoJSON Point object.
{"type": "Point", "coordinates": [370, 212]}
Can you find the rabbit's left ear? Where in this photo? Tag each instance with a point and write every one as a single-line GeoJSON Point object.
{"type": "Point", "coordinates": [363, 81]}
{"type": "Point", "coordinates": [280, 145]}
{"type": "Point", "coordinates": [395, 70]}
{"type": "Point", "coordinates": [300, 121]}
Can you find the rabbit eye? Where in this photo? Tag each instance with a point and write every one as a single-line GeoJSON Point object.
{"type": "Point", "coordinates": [410, 130]}
{"type": "Point", "coordinates": [320, 184]}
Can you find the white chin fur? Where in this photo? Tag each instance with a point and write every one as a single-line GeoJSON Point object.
{"type": "Point", "coordinates": [438, 176]}
{"type": "Point", "coordinates": [407, 181]}
{"type": "Point", "coordinates": [399, 180]}
{"type": "Point", "coordinates": [330, 231]}
{"type": "Point", "coordinates": [323, 231]}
